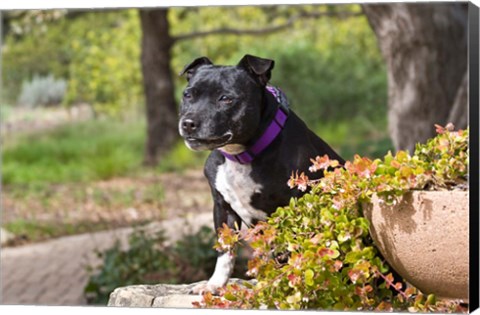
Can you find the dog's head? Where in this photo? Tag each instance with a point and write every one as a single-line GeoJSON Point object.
{"type": "Point", "coordinates": [222, 105]}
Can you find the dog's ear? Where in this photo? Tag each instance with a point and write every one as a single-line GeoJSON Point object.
{"type": "Point", "coordinates": [192, 67]}
{"type": "Point", "coordinates": [259, 67]}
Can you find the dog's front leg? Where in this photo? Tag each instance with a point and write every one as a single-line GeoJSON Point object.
{"type": "Point", "coordinates": [223, 213]}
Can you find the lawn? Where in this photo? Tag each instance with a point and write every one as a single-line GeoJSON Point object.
{"type": "Point", "coordinates": [82, 152]}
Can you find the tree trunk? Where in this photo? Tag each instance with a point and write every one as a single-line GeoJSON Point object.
{"type": "Point", "coordinates": [425, 49]}
{"type": "Point", "coordinates": [161, 109]}
{"type": "Point", "coordinates": [459, 112]}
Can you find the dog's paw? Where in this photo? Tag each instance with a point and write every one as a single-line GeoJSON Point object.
{"type": "Point", "coordinates": [204, 288]}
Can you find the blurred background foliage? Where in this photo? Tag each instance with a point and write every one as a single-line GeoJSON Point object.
{"type": "Point", "coordinates": [96, 52]}
{"type": "Point", "coordinates": [330, 68]}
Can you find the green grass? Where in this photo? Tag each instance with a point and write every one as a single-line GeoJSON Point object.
{"type": "Point", "coordinates": [103, 149]}
{"type": "Point", "coordinates": [93, 150]}
{"type": "Point", "coordinates": [84, 152]}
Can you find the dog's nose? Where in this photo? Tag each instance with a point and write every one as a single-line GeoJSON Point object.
{"type": "Point", "coordinates": [189, 125]}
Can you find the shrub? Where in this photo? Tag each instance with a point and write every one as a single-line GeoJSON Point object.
{"type": "Point", "coordinates": [97, 53]}
{"type": "Point", "coordinates": [149, 260]}
{"type": "Point", "coordinates": [42, 91]}
{"type": "Point", "coordinates": [332, 263]}
{"type": "Point", "coordinates": [133, 266]}
{"type": "Point", "coordinates": [105, 69]}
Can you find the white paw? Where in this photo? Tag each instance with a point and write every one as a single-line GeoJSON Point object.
{"type": "Point", "coordinates": [205, 287]}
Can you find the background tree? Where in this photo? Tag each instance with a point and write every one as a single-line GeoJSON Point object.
{"type": "Point", "coordinates": [425, 49]}
{"type": "Point", "coordinates": [161, 110]}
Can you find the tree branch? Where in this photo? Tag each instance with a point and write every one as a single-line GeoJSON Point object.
{"type": "Point", "coordinates": [267, 30]}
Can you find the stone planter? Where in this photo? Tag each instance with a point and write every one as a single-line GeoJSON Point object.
{"type": "Point", "coordinates": [425, 237]}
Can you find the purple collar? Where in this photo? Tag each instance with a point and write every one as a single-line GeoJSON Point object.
{"type": "Point", "coordinates": [272, 131]}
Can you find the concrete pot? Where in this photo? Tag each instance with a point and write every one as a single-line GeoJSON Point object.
{"type": "Point", "coordinates": [425, 237]}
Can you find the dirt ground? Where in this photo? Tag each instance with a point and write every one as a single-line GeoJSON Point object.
{"type": "Point", "coordinates": [118, 202]}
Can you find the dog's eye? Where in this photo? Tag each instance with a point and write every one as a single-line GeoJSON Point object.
{"type": "Point", "coordinates": [187, 94]}
{"type": "Point", "coordinates": [225, 99]}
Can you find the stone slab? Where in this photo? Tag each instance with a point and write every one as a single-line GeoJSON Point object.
{"type": "Point", "coordinates": [160, 295]}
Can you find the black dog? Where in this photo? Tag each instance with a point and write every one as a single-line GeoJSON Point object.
{"type": "Point", "coordinates": [256, 143]}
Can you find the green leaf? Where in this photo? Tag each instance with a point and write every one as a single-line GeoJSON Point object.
{"type": "Point", "coordinates": [353, 256]}
{"type": "Point", "coordinates": [309, 277]}
{"type": "Point", "coordinates": [294, 298]}
{"type": "Point", "coordinates": [229, 296]}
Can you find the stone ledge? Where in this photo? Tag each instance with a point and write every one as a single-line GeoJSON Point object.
{"type": "Point", "coordinates": [160, 295]}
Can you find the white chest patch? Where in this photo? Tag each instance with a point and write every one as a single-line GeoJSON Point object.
{"type": "Point", "coordinates": [233, 181]}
